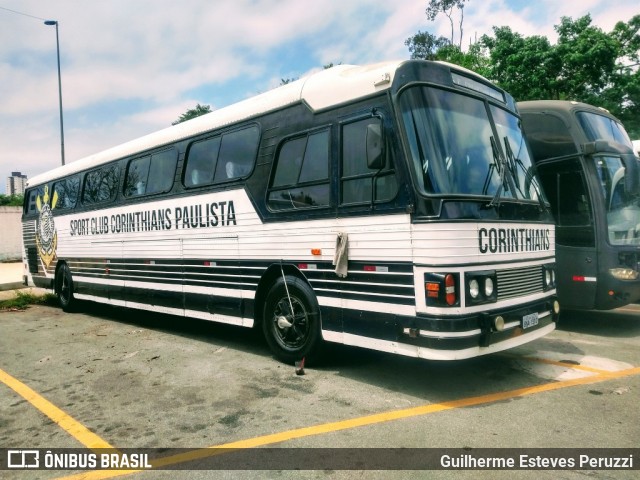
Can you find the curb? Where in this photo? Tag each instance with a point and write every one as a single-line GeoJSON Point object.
{"type": "Point", "coordinates": [11, 286]}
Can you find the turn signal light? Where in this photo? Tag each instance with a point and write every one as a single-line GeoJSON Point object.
{"type": "Point", "coordinates": [450, 289]}
{"type": "Point", "coordinates": [441, 289]}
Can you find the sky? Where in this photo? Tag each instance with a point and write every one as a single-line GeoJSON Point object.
{"type": "Point", "coordinates": [129, 68]}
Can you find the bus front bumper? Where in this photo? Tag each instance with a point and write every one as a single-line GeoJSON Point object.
{"type": "Point", "coordinates": [482, 330]}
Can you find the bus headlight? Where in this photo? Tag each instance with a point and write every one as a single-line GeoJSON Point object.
{"type": "Point", "coordinates": [474, 288]}
{"type": "Point", "coordinates": [488, 287]}
{"type": "Point", "coordinates": [549, 276]}
{"type": "Point", "coordinates": [480, 287]}
{"type": "Point", "coordinates": [624, 273]}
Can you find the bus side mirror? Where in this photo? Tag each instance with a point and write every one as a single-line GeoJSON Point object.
{"type": "Point", "coordinates": [629, 160]}
{"type": "Point", "coordinates": [599, 146]}
{"type": "Point", "coordinates": [375, 146]}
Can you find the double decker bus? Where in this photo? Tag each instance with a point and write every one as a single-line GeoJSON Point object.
{"type": "Point", "coordinates": [589, 173]}
{"type": "Point", "coordinates": [390, 206]}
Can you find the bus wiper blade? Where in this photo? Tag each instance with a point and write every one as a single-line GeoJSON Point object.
{"type": "Point", "coordinates": [499, 163]}
{"type": "Point", "coordinates": [514, 162]}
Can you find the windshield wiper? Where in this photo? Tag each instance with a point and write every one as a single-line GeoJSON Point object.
{"type": "Point", "coordinates": [499, 164]}
{"type": "Point", "coordinates": [514, 162]}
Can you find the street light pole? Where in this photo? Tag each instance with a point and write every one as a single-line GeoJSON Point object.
{"type": "Point", "coordinates": [54, 22]}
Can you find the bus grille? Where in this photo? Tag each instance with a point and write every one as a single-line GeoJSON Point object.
{"type": "Point", "coordinates": [517, 282]}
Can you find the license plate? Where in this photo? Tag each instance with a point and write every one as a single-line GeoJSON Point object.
{"type": "Point", "coordinates": [530, 320]}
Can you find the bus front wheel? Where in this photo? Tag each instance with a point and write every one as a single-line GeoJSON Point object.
{"type": "Point", "coordinates": [64, 288]}
{"type": "Point", "coordinates": [291, 320]}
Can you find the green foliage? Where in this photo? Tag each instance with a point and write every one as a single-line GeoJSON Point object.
{"type": "Point", "coordinates": [586, 64]}
{"type": "Point", "coordinates": [11, 200]}
{"type": "Point", "coordinates": [425, 46]}
{"type": "Point", "coordinates": [473, 59]}
{"type": "Point", "coordinates": [526, 67]}
{"type": "Point", "coordinates": [193, 113]}
{"type": "Point", "coordinates": [622, 97]}
{"type": "Point", "coordinates": [23, 299]}
{"type": "Point", "coordinates": [588, 57]}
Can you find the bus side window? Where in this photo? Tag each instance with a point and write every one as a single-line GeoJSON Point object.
{"type": "Point", "coordinates": [151, 174]}
{"type": "Point", "coordinates": [548, 136]}
{"type": "Point", "coordinates": [201, 162]}
{"type": "Point", "coordinates": [573, 207]}
{"type": "Point", "coordinates": [67, 192]}
{"type": "Point", "coordinates": [31, 207]}
{"type": "Point", "coordinates": [162, 171]}
{"type": "Point", "coordinates": [358, 180]}
{"type": "Point", "coordinates": [564, 185]}
{"type": "Point", "coordinates": [135, 182]}
{"type": "Point", "coordinates": [237, 154]}
{"type": "Point", "coordinates": [222, 158]}
{"type": "Point", "coordinates": [101, 184]}
{"type": "Point", "coordinates": [301, 173]}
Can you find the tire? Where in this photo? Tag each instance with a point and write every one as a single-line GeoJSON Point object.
{"type": "Point", "coordinates": [292, 337]}
{"type": "Point", "coordinates": [64, 288]}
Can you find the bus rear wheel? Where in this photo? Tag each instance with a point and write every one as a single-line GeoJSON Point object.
{"type": "Point", "coordinates": [291, 320]}
{"type": "Point", "coordinates": [64, 288]}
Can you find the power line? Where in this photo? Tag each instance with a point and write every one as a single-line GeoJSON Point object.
{"type": "Point", "coordinates": [23, 14]}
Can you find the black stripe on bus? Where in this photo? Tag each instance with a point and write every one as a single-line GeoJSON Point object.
{"type": "Point", "coordinates": [394, 285]}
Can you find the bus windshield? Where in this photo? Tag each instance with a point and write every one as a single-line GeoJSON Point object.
{"type": "Point", "coordinates": [454, 149]}
{"type": "Point", "coordinates": [623, 211]}
{"type": "Point", "coordinates": [599, 127]}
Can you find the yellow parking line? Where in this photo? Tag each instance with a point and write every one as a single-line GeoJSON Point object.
{"type": "Point", "coordinates": [68, 423]}
{"type": "Point", "coordinates": [274, 438]}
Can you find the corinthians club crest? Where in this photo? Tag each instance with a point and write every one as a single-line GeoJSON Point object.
{"type": "Point", "coordinates": [46, 233]}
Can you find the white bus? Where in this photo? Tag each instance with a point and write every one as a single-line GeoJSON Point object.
{"type": "Point", "coordinates": [391, 206]}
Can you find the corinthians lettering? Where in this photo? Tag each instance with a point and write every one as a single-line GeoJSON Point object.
{"type": "Point", "coordinates": [509, 240]}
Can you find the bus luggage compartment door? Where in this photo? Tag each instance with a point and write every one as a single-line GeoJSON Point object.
{"type": "Point", "coordinates": [577, 276]}
{"type": "Point", "coordinates": [212, 278]}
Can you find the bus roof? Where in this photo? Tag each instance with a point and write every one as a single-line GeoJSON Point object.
{"type": "Point", "coordinates": [323, 89]}
{"type": "Point", "coordinates": [564, 106]}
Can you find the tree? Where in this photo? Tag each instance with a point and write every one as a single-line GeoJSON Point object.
{"type": "Point", "coordinates": [586, 65]}
{"type": "Point", "coordinates": [527, 67]}
{"type": "Point", "coordinates": [623, 97]}
{"type": "Point", "coordinates": [11, 200]}
{"type": "Point", "coordinates": [473, 59]}
{"type": "Point", "coordinates": [427, 46]}
{"type": "Point", "coordinates": [424, 45]}
{"type": "Point", "coordinates": [193, 113]}
{"type": "Point", "coordinates": [588, 57]}
{"type": "Point", "coordinates": [436, 7]}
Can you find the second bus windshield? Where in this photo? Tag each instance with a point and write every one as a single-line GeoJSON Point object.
{"type": "Point", "coordinates": [454, 149]}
